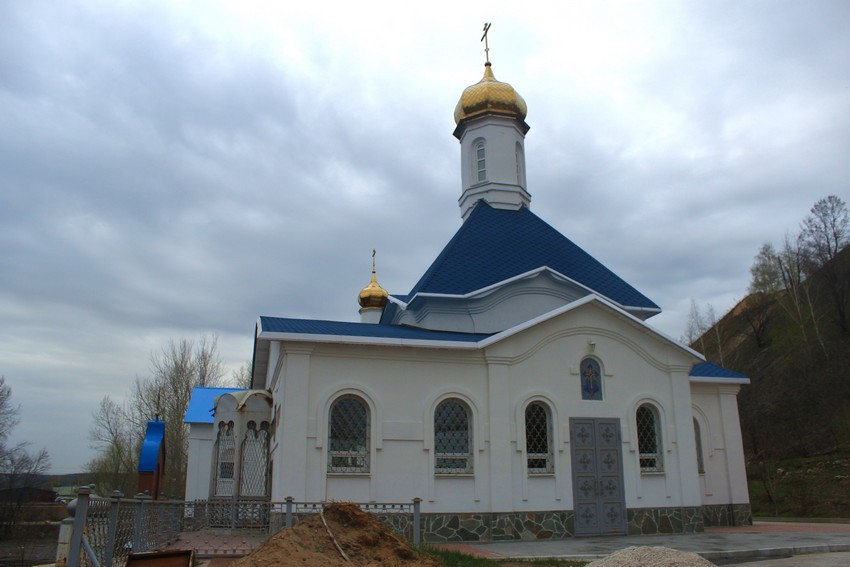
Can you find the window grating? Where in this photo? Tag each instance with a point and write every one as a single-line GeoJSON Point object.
{"type": "Point", "coordinates": [348, 442]}
{"type": "Point", "coordinates": [224, 462]}
{"type": "Point", "coordinates": [452, 438]}
{"type": "Point", "coordinates": [253, 482]}
{"type": "Point", "coordinates": [538, 439]}
{"type": "Point", "coordinates": [649, 440]}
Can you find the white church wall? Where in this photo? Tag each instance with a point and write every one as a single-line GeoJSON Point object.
{"type": "Point", "coordinates": [724, 481]}
{"type": "Point", "coordinates": [201, 439]}
{"type": "Point", "coordinates": [637, 368]}
{"type": "Point", "coordinates": [402, 386]}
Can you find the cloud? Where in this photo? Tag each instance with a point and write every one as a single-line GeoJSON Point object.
{"type": "Point", "coordinates": [173, 170]}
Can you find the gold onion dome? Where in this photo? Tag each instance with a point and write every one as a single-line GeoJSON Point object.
{"type": "Point", "coordinates": [373, 296]}
{"type": "Point", "coordinates": [489, 96]}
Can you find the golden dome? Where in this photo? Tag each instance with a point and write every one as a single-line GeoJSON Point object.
{"type": "Point", "coordinates": [373, 296]}
{"type": "Point", "coordinates": [489, 96]}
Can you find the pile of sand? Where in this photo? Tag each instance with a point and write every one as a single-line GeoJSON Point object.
{"type": "Point", "coordinates": [363, 539]}
{"type": "Point", "coordinates": [651, 557]}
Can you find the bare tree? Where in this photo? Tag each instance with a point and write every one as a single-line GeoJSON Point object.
{"type": "Point", "coordinates": [825, 233]}
{"type": "Point", "coordinates": [826, 229]}
{"type": "Point", "coordinates": [695, 330]}
{"type": "Point", "coordinates": [175, 370]}
{"type": "Point", "coordinates": [19, 468]}
{"type": "Point", "coordinates": [241, 378]}
{"type": "Point", "coordinates": [117, 441]}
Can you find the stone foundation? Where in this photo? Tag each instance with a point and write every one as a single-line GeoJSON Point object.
{"type": "Point", "coordinates": [442, 528]}
{"type": "Point", "coordinates": [723, 515]}
{"type": "Point", "coordinates": [501, 526]}
{"type": "Point", "coordinates": [651, 521]}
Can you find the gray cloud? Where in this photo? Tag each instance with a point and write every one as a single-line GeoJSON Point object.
{"type": "Point", "coordinates": [171, 171]}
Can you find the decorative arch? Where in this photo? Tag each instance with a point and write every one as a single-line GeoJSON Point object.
{"type": "Point", "coordinates": [702, 434]}
{"type": "Point", "coordinates": [479, 435]}
{"type": "Point", "coordinates": [519, 418]}
{"type": "Point", "coordinates": [330, 395]}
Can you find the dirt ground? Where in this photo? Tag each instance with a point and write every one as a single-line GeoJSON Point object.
{"type": "Point", "coordinates": [363, 539]}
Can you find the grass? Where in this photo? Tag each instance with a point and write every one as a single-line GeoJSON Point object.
{"type": "Point", "coordinates": [803, 487]}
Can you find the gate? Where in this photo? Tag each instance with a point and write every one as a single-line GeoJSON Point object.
{"type": "Point", "coordinates": [599, 501]}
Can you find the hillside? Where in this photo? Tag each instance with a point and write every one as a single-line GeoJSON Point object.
{"type": "Point", "coordinates": [795, 347]}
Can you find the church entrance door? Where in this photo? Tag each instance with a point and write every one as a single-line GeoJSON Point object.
{"type": "Point", "coordinates": [599, 502]}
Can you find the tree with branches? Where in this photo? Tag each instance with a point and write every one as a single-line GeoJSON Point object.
{"type": "Point", "coordinates": [19, 468]}
{"type": "Point", "coordinates": [118, 429]}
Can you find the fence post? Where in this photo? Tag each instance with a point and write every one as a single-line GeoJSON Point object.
{"type": "Point", "coordinates": [289, 511]}
{"type": "Point", "coordinates": [112, 527]}
{"type": "Point", "coordinates": [416, 535]}
{"type": "Point", "coordinates": [80, 512]}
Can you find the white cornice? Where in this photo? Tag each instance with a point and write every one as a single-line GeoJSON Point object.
{"type": "Point", "coordinates": [529, 274]}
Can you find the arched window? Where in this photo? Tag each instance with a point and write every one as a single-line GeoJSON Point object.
{"type": "Point", "coordinates": [254, 478]}
{"type": "Point", "coordinates": [698, 440]}
{"type": "Point", "coordinates": [225, 455]}
{"type": "Point", "coordinates": [520, 165]}
{"type": "Point", "coordinates": [480, 161]}
{"type": "Point", "coordinates": [348, 436]}
{"type": "Point", "coordinates": [591, 380]}
{"type": "Point", "coordinates": [538, 439]}
{"type": "Point", "coordinates": [649, 439]}
{"type": "Point", "coordinates": [452, 438]}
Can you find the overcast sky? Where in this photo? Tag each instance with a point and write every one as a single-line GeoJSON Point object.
{"type": "Point", "coordinates": [177, 170]}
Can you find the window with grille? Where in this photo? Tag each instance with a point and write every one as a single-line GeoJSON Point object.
{"type": "Point", "coordinates": [649, 439]}
{"type": "Point", "coordinates": [481, 163]}
{"type": "Point", "coordinates": [225, 455]}
{"type": "Point", "coordinates": [698, 440]}
{"type": "Point", "coordinates": [538, 439]}
{"type": "Point", "coordinates": [348, 436]}
{"type": "Point", "coordinates": [254, 480]}
{"type": "Point", "coordinates": [452, 438]}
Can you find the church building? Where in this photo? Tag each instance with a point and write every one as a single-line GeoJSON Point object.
{"type": "Point", "coordinates": [516, 389]}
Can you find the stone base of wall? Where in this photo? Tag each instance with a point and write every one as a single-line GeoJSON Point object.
{"type": "Point", "coordinates": [650, 521]}
{"type": "Point", "coordinates": [722, 515]}
{"type": "Point", "coordinates": [443, 528]}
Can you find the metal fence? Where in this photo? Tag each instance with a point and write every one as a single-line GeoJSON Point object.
{"type": "Point", "coordinates": [106, 530]}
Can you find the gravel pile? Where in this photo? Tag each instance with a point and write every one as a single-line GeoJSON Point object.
{"type": "Point", "coordinates": [651, 557]}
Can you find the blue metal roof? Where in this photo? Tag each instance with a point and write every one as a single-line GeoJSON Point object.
{"type": "Point", "coordinates": [709, 370]}
{"type": "Point", "coordinates": [342, 328]}
{"type": "Point", "coordinates": [202, 403]}
{"type": "Point", "coordinates": [149, 454]}
{"type": "Point", "coordinates": [494, 245]}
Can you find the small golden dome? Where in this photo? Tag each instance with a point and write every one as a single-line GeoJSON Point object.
{"type": "Point", "coordinates": [373, 296]}
{"type": "Point", "coordinates": [489, 96]}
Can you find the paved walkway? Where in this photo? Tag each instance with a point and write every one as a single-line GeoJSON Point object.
{"type": "Point", "coordinates": [765, 544]}
{"type": "Point", "coordinates": [723, 546]}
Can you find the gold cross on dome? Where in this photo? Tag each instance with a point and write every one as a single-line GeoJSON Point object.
{"type": "Point", "coordinates": [484, 39]}
{"type": "Point", "coordinates": [373, 260]}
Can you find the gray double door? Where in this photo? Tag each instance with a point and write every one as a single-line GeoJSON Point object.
{"type": "Point", "coordinates": [599, 502]}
